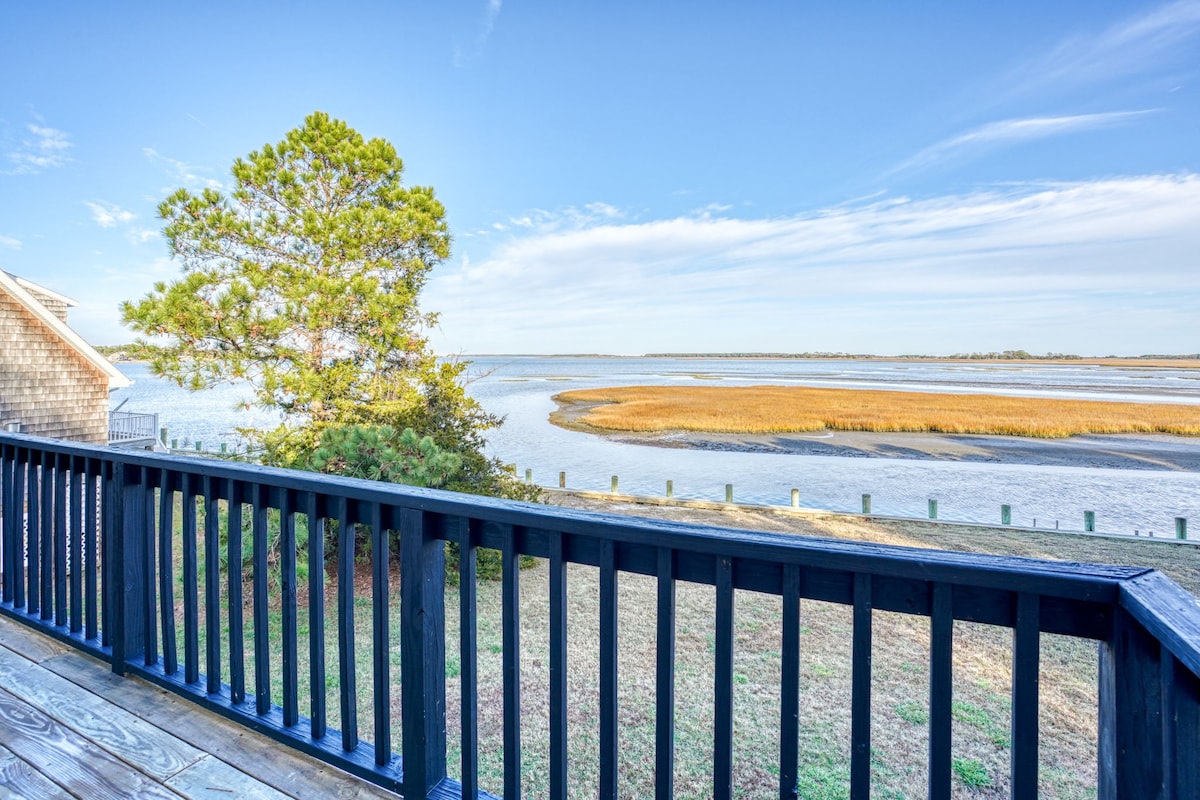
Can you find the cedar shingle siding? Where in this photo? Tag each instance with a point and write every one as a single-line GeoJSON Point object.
{"type": "Point", "coordinates": [45, 384]}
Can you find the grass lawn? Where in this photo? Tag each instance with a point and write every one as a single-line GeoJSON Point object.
{"type": "Point", "coordinates": [983, 664]}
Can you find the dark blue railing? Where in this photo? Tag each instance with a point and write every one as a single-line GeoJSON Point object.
{"type": "Point", "coordinates": [92, 552]}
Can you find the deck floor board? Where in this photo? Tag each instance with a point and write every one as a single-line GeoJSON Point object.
{"type": "Point", "coordinates": [69, 727]}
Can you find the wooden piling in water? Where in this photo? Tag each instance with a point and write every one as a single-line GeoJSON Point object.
{"type": "Point", "coordinates": [670, 488]}
{"type": "Point", "coordinates": [1181, 527]}
{"type": "Point", "coordinates": [562, 480]}
{"type": "Point", "coordinates": [614, 484]}
{"type": "Point", "coordinates": [932, 508]}
{"type": "Point", "coordinates": [866, 504]}
{"type": "Point", "coordinates": [1005, 515]}
{"type": "Point", "coordinates": [528, 475]}
{"type": "Point", "coordinates": [1089, 521]}
{"type": "Point", "coordinates": [729, 493]}
{"type": "Point", "coordinates": [795, 498]}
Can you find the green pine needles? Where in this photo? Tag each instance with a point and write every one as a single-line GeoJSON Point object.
{"type": "Point", "coordinates": [304, 280]}
{"type": "Point", "coordinates": [382, 453]}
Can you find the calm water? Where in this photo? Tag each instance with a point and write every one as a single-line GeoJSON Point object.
{"type": "Point", "coordinates": [520, 388]}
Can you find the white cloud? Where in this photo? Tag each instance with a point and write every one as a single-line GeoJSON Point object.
{"type": "Point", "coordinates": [142, 235]}
{"type": "Point", "coordinates": [45, 150]}
{"type": "Point", "coordinates": [1012, 131]}
{"type": "Point", "coordinates": [190, 176]}
{"type": "Point", "coordinates": [1017, 263]}
{"type": "Point", "coordinates": [109, 215]}
{"type": "Point", "coordinates": [1133, 46]}
{"type": "Point", "coordinates": [11, 242]}
{"type": "Point", "coordinates": [491, 12]}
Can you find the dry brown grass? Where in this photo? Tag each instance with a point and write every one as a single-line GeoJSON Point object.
{"type": "Point", "coordinates": [791, 409]}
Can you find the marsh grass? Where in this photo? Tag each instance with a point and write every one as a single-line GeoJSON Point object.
{"type": "Point", "coordinates": [793, 409]}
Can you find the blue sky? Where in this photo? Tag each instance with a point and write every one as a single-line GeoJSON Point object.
{"type": "Point", "coordinates": [623, 177]}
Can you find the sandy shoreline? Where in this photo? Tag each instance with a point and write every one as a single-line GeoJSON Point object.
{"type": "Point", "coordinates": [1122, 451]}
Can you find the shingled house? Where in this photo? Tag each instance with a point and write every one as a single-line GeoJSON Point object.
{"type": "Point", "coordinates": [52, 382]}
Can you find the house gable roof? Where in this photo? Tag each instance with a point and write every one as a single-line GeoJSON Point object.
{"type": "Point", "coordinates": [16, 287]}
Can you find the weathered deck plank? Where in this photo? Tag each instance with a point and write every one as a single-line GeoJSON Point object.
{"type": "Point", "coordinates": [78, 765]}
{"type": "Point", "coordinates": [146, 747]}
{"type": "Point", "coordinates": [212, 778]}
{"type": "Point", "coordinates": [20, 781]}
{"type": "Point", "coordinates": [69, 727]}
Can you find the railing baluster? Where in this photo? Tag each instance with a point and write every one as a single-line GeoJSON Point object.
{"type": "Point", "coordinates": [46, 581]}
{"type": "Point", "coordinates": [234, 580]}
{"type": "Point", "coordinates": [262, 643]}
{"type": "Point", "coordinates": [92, 509]}
{"type": "Point", "coordinates": [60, 539]}
{"type": "Point", "coordinates": [166, 574]}
{"type": "Point", "coordinates": [149, 590]}
{"type": "Point", "coordinates": [21, 481]}
{"type": "Point", "coordinates": [1024, 736]}
{"type": "Point", "coordinates": [860, 700]}
{"type": "Point", "coordinates": [511, 646]}
{"type": "Point", "coordinates": [941, 665]}
{"type": "Point", "coordinates": [76, 546]}
{"type": "Point", "coordinates": [14, 513]}
{"type": "Point", "coordinates": [212, 586]}
{"type": "Point", "coordinates": [664, 691]}
{"type": "Point", "coordinates": [468, 654]}
{"type": "Point", "coordinates": [6, 522]}
{"type": "Point", "coordinates": [380, 588]}
{"type": "Point", "coordinates": [558, 668]}
{"type": "Point", "coordinates": [191, 585]}
{"type": "Point", "coordinates": [316, 616]}
{"type": "Point", "coordinates": [108, 541]}
{"type": "Point", "coordinates": [287, 579]}
{"type": "Point", "coordinates": [789, 689]}
{"type": "Point", "coordinates": [723, 684]}
{"type": "Point", "coordinates": [346, 683]}
{"type": "Point", "coordinates": [609, 742]}
{"type": "Point", "coordinates": [33, 527]}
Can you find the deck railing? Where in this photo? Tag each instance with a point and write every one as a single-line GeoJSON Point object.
{"type": "Point", "coordinates": [128, 426]}
{"type": "Point", "coordinates": [138, 558]}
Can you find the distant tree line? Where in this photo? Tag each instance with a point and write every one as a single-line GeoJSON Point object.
{"type": "Point", "coordinates": [1001, 355]}
{"type": "Point", "coordinates": [134, 351]}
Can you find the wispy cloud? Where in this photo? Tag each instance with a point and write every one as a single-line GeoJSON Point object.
{"type": "Point", "coordinates": [189, 175]}
{"type": "Point", "coordinates": [1011, 131]}
{"type": "Point", "coordinates": [109, 215]}
{"type": "Point", "coordinates": [142, 235]}
{"type": "Point", "coordinates": [43, 148]}
{"type": "Point", "coordinates": [491, 13]}
{"type": "Point", "coordinates": [1135, 45]}
{"type": "Point", "coordinates": [10, 242]}
{"type": "Point", "coordinates": [886, 276]}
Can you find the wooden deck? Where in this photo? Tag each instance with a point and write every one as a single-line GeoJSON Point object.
{"type": "Point", "coordinates": [69, 727]}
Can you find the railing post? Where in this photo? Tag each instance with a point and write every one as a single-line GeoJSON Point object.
{"type": "Point", "coordinates": [422, 653]}
{"type": "Point", "coordinates": [1130, 759]}
{"type": "Point", "coordinates": [124, 541]}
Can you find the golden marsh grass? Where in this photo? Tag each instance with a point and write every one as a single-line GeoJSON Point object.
{"type": "Point", "coordinates": [796, 409]}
